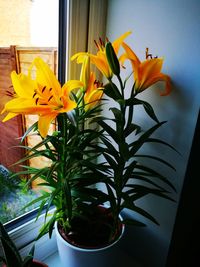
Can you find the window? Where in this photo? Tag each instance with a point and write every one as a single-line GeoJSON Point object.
{"type": "Point", "coordinates": [27, 31]}
{"type": "Point", "coordinates": [78, 20]}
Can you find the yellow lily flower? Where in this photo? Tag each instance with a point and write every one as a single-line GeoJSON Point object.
{"type": "Point", "coordinates": [92, 89]}
{"type": "Point", "coordinates": [43, 96]}
{"type": "Point", "coordinates": [100, 60]}
{"type": "Point", "coordinates": [146, 73]}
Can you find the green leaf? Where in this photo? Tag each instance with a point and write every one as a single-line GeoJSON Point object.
{"type": "Point", "coordinates": [131, 198]}
{"type": "Point", "coordinates": [67, 198]}
{"type": "Point", "coordinates": [51, 224]}
{"type": "Point", "coordinates": [50, 201]}
{"type": "Point", "coordinates": [136, 145]}
{"type": "Point", "coordinates": [129, 170]}
{"type": "Point", "coordinates": [111, 90]}
{"type": "Point", "coordinates": [109, 130]}
{"type": "Point", "coordinates": [124, 151]}
{"type": "Point", "coordinates": [42, 204]}
{"type": "Point", "coordinates": [112, 198]}
{"type": "Point", "coordinates": [87, 179]}
{"type": "Point", "coordinates": [38, 199]}
{"type": "Point", "coordinates": [111, 161]}
{"type": "Point", "coordinates": [47, 227]}
{"type": "Point", "coordinates": [110, 149]}
{"type": "Point", "coordinates": [27, 261]}
{"type": "Point", "coordinates": [117, 114]}
{"type": "Point", "coordinates": [11, 253]}
{"type": "Point", "coordinates": [31, 128]}
{"type": "Point", "coordinates": [39, 173]}
{"type": "Point", "coordinates": [148, 108]}
{"type": "Point", "coordinates": [131, 128]}
{"type": "Point", "coordinates": [49, 178]}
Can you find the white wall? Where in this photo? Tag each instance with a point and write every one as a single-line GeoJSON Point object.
{"type": "Point", "coordinates": [170, 29]}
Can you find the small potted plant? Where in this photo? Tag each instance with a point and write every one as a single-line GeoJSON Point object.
{"type": "Point", "coordinates": [11, 256]}
{"type": "Point", "coordinates": [95, 166]}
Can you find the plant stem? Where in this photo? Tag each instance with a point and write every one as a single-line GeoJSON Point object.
{"type": "Point", "coordinates": [64, 178]}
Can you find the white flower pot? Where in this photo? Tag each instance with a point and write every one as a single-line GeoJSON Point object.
{"type": "Point", "coordinates": [72, 256]}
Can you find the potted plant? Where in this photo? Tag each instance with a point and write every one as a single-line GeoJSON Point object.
{"type": "Point", "coordinates": [76, 182]}
{"type": "Point", "coordinates": [12, 257]}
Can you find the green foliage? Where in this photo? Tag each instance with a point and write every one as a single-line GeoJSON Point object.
{"type": "Point", "coordinates": [71, 180]}
{"type": "Point", "coordinates": [68, 180]}
{"type": "Point", "coordinates": [129, 179]}
{"type": "Point", "coordinates": [7, 184]}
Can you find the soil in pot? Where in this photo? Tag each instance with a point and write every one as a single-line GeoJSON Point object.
{"type": "Point", "coordinates": [93, 230]}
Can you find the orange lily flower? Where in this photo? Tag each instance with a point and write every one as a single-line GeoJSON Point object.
{"type": "Point", "coordinates": [43, 96]}
{"type": "Point", "coordinates": [93, 93]}
{"type": "Point", "coordinates": [92, 89]}
{"type": "Point", "coordinates": [146, 73]}
{"type": "Point", "coordinates": [100, 60]}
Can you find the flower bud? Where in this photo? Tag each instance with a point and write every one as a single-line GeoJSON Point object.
{"type": "Point", "coordinates": [85, 72]}
{"type": "Point", "coordinates": [112, 58]}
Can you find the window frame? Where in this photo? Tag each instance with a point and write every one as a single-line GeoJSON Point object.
{"type": "Point", "coordinates": [77, 21]}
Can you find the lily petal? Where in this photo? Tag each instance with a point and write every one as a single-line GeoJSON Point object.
{"type": "Point", "coordinates": [93, 93]}
{"type": "Point", "coordinates": [44, 75]}
{"type": "Point", "coordinates": [162, 77]}
{"type": "Point", "coordinates": [23, 85]}
{"type": "Point", "coordinates": [9, 116]}
{"type": "Point", "coordinates": [25, 106]}
{"type": "Point", "coordinates": [70, 85]}
{"type": "Point", "coordinates": [130, 54]}
{"type": "Point", "coordinates": [102, 65]}
{"type": "Point", "coordinates": [44, 123]}
{"type": "Point", "coordinates": [117, 43]}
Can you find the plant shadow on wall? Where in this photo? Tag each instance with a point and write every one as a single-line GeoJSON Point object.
{"type": "Point", "coordinates": [73, 180]}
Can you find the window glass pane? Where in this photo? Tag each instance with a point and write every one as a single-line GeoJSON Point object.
{"type": "Point", "coordinates": [28, 28]}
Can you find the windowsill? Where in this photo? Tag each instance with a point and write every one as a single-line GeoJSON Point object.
{"type": "Point", "coordinates": [46, 248]}
{"type": "Point", "coordinates": [54, 261]}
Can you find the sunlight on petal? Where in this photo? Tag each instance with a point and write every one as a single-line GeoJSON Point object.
{"type": "Point", "coordinates": [44, 123]}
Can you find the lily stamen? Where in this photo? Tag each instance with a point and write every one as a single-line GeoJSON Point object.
{"type": "Point", "coordinates": [147, 54]}
{"type": "Point", "coordinates": [36, 101]}
{"type": "Point", "coordinates": [9, 93]}
{"type": "Point", "coordinates": [101, 42]}
{"type": "Point", "coordinates": [34, 94]}
{"type": "Point", "coordinates": [96, 44]}
{"type": "Point", "coordinates": [50, 98]}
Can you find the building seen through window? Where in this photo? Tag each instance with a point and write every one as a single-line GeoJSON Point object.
{"type": "Point", "coordinates": [27, 30]}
